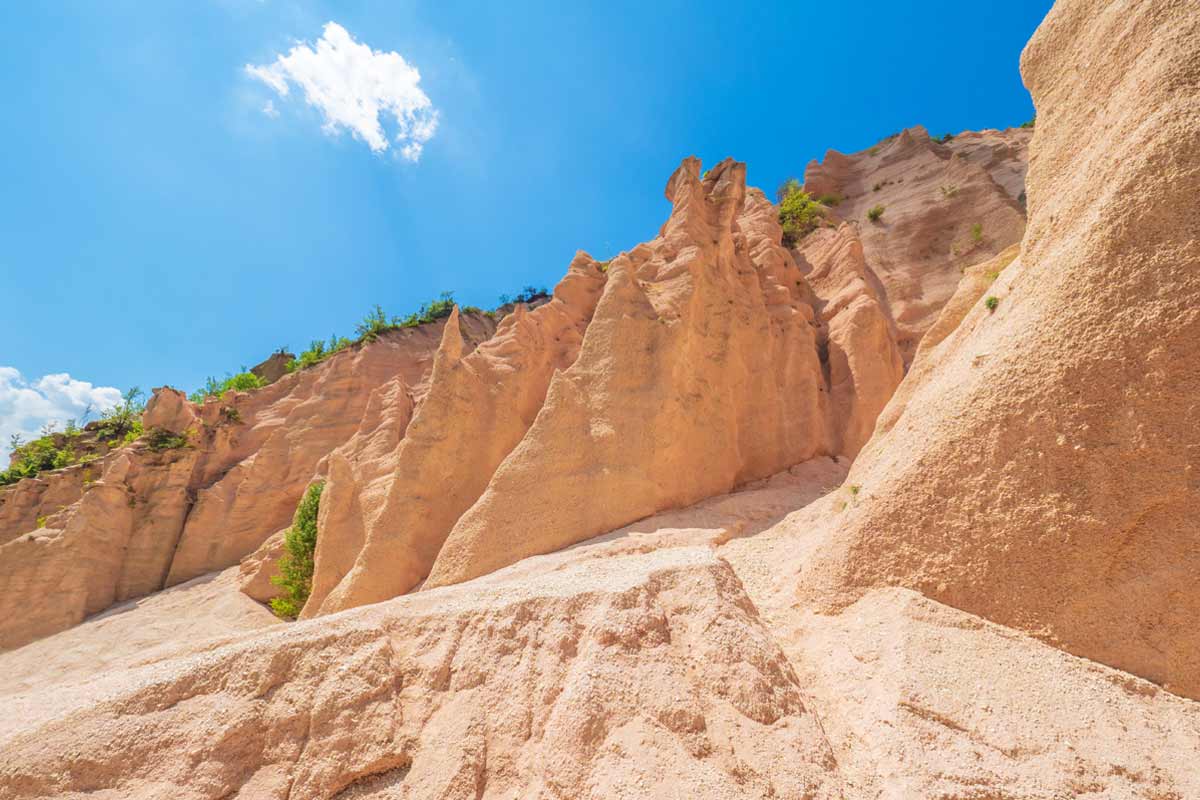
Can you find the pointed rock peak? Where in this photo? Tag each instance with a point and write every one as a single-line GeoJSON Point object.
{"type": "Point", "coordinates": [688, 174]}
{"type": "Point", "coordinates": [728, 182]}
{"type": "Point", "coordinates": [913, 135]}
{"type": "Point", "coordinates": [583, 262]}
{"type": "Point", "coordinates": [452, 339]}
{"type": "Point", "coordinates": [170, 410]}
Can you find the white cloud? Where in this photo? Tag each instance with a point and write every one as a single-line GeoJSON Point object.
{"type": "Point", "coordinates": [357, 89]}
{"type": "Point", "coordinates": [26, 406]}
{"type": "Point", "coordinates": [270, 110]}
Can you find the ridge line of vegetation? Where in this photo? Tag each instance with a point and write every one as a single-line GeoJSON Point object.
{"type": "Point", "coordinates": [376, 322]}
{"type": "Point", "coordinates": [116, 428]}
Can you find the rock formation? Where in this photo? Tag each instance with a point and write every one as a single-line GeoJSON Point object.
{"type": "Point", "coordinates": [933, 196]}
{"type": "Point", "coordinates": [140, 518]}
{"type": "Point", "coordinates": [995, 599]}
{"type": "Point", "coordinates": [382, 528]}
{"type": "Point", "coordinates": [1043, 473]}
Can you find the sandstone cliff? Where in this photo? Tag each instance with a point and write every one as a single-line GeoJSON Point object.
{"type": "Point", "coordinates": [995, 599]}
{"type": "Point", "coordinates": [1043, 471]}
{"type": "Point", "coordinates": [143, 518]}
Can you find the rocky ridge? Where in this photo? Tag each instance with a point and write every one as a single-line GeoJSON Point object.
{"type": "Point", "coordinates": [994, 603]}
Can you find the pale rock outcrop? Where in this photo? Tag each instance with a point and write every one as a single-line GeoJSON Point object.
{"type": "Point", "coordinates": [696, 355]}
{"type": "Point", "coordinates": [382, 528]}
{"type": "Point", "coordinates": [170, 410]}
{"type": "Point", "coordinates": [933, 195]}
{"type": "Point", "coordinates": [293, 427]}
{"type": "Point", "coordinates": [626, 678]}
{"type": "Point", "coordinates": [114, 543]}
{"type": "Point", "coordinates": [43, 497]}
{"type": "Point", "coordinates": [255, 571]}
{"type": "Point", "coordinates": [1044, 475]}
{"type": "Point", "coordinates": [139, 519]}
{"type": "Point", "coordinates": [856, 332]}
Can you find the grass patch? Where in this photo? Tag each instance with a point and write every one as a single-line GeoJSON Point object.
{"type": "Point", "coordinates": [831, 199]}
{"type": "Point", "coordinates": [991, 303]}
{"type": "Point", "coordinates": [874, 213]}
{"type": "Point", "coordinates": [296, 565]}
{"type": "Point", "coordinates": [949, 191]}
{"type": "Point", "coordinates": [527, 295]}
{"type": "Point", "coordinates": [977, 233]}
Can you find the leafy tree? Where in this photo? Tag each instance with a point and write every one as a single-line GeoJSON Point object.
{"type": "Point", "coordinates": [296, 565]}
{"type": "Point", "coordinates": [799, 215]}
{"type": "Point", "coordinates": [788, 187]}
{"type": "Point", "coordinates": [120, 420]}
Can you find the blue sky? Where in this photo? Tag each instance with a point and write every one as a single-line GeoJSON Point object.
{"type": "Point", "coordinates": [160, 222]}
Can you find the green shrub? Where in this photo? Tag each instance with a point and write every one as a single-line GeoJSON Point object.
{"type": "Point", "coordinates": [118, 421]}
{"type": "Point", "coordinates": [992, 302]}
{"type": "Point", "coordinates": [944, 138]}
{"type": "Point", "coordinates": [296, 565]}
{"type": "Point", "coordinates": [231, 415]}
{"type": "Point", "coordinates": [830, 199]}
{"type": "Point", "coordinates": [977, 232]}
{"type": "Point", "coordinates": [787, 188]}
{"type": "Point", "coordinates": [799, 215]}
{"type": "Point", "coordinates": [874, 213]}
{"type": "Point", "coordinates": [318, 351]}
{"type": "Point", "coordinates": [877, 187]}
{"type": "Point", "coordinates": [51, 450]}
{"type": "Point", "coordinates": [244, 381]}
{"type": "Point", "coordinates": [161, 439]}
{"type": "Point", "coordinates": [1030, 123]}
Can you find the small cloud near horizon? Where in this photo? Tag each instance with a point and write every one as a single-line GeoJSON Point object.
{"type": "Point", "coordinates": [355, 88]}
{"type": "Point", "coordinates": [26, 406]}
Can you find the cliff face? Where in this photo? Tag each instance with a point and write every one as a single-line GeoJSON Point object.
{"type": "Point", "coordinates": [699, 347]}
{"type": "Point", "coordinates": [1042, 471]}
{"type": "Point", "coordinates": [998, 600]}
{"type": "Point", "coordinates": [386, 517]}
{"type": "Point", "coordinates": [946, 207]}
{"type": "Point", "coordinates": [711, 344]}
{"type": "Point", "coordinates": [141, 519]}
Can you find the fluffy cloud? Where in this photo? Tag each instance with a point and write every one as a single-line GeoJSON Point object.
{"type": "Point", "coordinates": [357, 89]}
{"type": "Point", "coordinates": [26, 406]}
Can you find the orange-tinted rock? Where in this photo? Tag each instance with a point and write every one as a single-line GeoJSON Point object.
{"type": "Point", "coordinates": [1044, 474]}
{"type": "Point", "coordinates": [633, 677]}
{"type": "Point", "coordinates": [382, 528]}
{"type": "Point", "coordinates": [139, 519]}
{"type": "Point", "coordinates": [699, 371]}
{"type": "Point", "coordinates": [933, 196]}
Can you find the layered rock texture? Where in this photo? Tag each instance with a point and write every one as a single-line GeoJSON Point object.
{"type": "Point", "coordinates": [620, 546]}
{"type": "Point", "coordinates": [140, 519]}
{"type": "Point", "coordinates": [1043, 471]}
